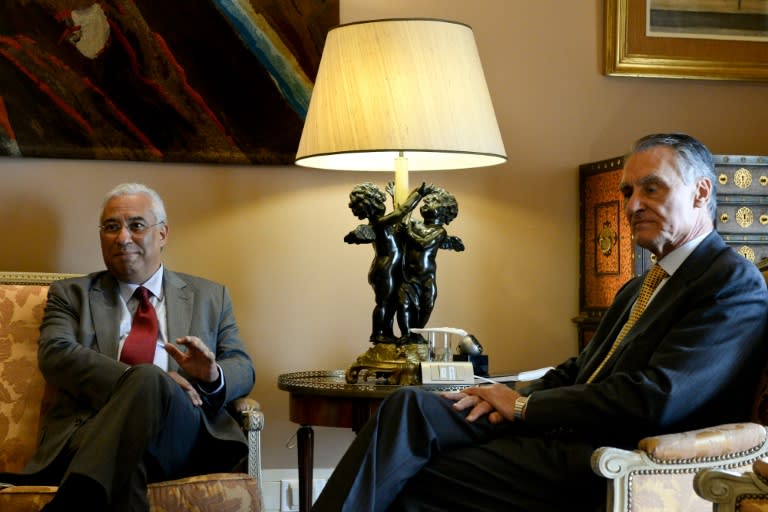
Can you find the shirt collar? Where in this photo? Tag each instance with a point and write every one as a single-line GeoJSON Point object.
{"type": "Point", "coordinates": [154, 284]}
{"type": "Point", "coordinates": [672, 261]}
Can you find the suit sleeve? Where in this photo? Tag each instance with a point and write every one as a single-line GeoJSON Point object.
{"type": "Point", "coordinates": [235, 363]}
{"type": "Point", "coordinates": [65, 352]}
{"type": "Point", "coordinates": [695, 365]}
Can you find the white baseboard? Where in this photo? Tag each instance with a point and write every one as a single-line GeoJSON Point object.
{"type": "Point", "coordinates": [272, 479]}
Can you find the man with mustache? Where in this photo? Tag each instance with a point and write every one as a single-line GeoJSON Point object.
{"type": "Point", "coordinates": [128, 410]}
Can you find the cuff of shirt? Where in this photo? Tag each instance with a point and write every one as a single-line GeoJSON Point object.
{"type": "Point", "coordinates": [213, 387]}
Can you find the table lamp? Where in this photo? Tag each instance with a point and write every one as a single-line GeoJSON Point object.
{"type": "Point", "coordinates": [398, 95]}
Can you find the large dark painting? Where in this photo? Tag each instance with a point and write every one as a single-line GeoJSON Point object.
{"type": "Point", "coordinates": [221, 81]}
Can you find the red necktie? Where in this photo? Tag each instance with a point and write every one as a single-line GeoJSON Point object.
{"type": "Point", "coordinates": [139, 346]}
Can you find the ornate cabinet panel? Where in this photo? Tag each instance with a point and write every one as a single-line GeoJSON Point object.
{"type": "Point", "coordinates": [608, 258]}
{"type": "Point", "coordinates": [742, 204]}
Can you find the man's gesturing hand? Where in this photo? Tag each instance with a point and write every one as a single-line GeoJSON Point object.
{"type": "Point", "coordinates": [197, 361]}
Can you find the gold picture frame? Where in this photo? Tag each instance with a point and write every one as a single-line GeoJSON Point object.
{"type": "Point", "coordinates": [629, 51]}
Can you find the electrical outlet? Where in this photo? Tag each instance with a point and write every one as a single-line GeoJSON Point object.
{"type": "Point", "coordinates": [289, 493]}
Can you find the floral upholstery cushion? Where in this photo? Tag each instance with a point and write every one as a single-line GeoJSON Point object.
{"type": "Point", "coordinates": [25, 499]}
{"type": "Point", "coordinates": [673, 492]}
{"type": "Point", "coordinates": [216, 492]}
{"type": "Point", "coordinates": [21, 385]}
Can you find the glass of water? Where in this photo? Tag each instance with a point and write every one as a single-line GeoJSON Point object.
{"type": "Point", "coordinates": [439, 346]}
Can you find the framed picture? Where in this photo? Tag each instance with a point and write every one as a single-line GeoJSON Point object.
{"type": "Point", "coordinates": [208, 81]}
{"type": "Point", "coordinates": [704, 39]}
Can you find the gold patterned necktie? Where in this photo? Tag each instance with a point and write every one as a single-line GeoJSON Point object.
{"type": "Point", "coordinates": [650, 283]}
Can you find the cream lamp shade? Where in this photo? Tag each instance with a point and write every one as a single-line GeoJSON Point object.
{"type": "Point", "coordinates": [400, 94]}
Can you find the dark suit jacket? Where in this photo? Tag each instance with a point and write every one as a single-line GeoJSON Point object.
{"type": "Point", "coordinates": [692, 360]}
{"type": "Point", "coordinates": [79, 343]}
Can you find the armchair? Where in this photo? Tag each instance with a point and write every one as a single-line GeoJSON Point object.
{"type": "Point", "coordinates": [658, 476]}
{"type": "Point", "coordinates": [735, 491]}
{"type": "Point", "coordinates": [24, 396]}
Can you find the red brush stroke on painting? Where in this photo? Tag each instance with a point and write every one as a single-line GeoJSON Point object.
{"type": "Point", "coordinates": [58, 100]}
{"type": "Point", "coordinates": [63, 15]}
{"type": "Point", "coordinates": [68, 32]}
{"type": "Point", "coordinates": [124, 119]}
{"type": "Point", "coordinates": [136, 67]}
{"type": "Point", "coordinates": [5, 122]}
{"type": "Point", "coordinates": [51, 65]}
{"type": "Point", "coordinates": [192, 92]}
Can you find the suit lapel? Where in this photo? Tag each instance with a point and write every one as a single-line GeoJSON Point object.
{"type": "Point", "coordinates": [696, 263]}
{"type": "Point", "coordinates": [649, 316]}
{"type": "Point", "coordinates": [691, 268]}
{"type": "Point", "coordinates": [594, 360]}
{"type": "Point", "coordinates": [105, 308]}
{"type": "Point", "coordinates": [178, 307]}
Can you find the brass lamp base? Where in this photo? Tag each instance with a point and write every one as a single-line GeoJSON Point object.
{"type": "Point", "coordinates": [398, 364]}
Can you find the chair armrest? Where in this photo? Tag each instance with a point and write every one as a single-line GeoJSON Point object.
{"type": "Point", "coordinates": [726, 488]}
{"type": "Point", "coordinates": [719, 441]}
{"type": "Point", "coordinates": [248, 413]}
{"type": "Point", "coordinates": [724, 446]}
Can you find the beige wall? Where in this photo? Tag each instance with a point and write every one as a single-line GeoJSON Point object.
{"type": "Point", "coordinates": [274, 234]}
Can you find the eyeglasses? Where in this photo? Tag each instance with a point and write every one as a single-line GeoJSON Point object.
{"type": "Point", "coordinates": [136, 227]}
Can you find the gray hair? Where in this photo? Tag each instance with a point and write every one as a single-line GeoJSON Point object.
{"type": "Point", "coordinates": [156, 202]}
{"type": "Point", "coordinates": [693, 158]}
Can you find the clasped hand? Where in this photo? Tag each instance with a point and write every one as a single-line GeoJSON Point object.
{"type": "Point", "coordinates": [497, 401]}
{"type": "Point", "coordinates": [198, 362]}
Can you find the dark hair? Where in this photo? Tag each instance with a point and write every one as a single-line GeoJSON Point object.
{"type": "Point", "coordinates": [444, 203]}
{"type": "Point", "coordinates": [694, 160]}
{"type": "Point", "coordinates": [372, 199]}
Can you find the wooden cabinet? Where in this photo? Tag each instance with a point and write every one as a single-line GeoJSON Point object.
{"type": "Point", "coordinates": [608, 258]}
{"type": "Point", "coordinates": [742, 204]}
